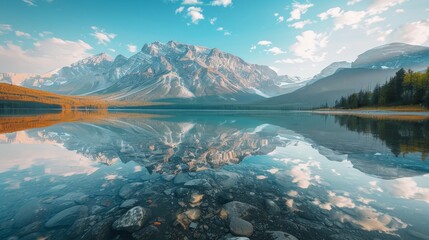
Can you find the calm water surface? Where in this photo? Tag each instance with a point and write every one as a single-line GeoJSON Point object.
{"type": "Point", "coordinates": [75, 176]}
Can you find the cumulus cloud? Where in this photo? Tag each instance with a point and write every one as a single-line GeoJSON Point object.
{"type": "Point", "coordinates": [191, 2]}
{"type": "Point", "coordinates": [300, 24]}
{"type": "Point", "coordinates": [44, 56]}
{"type": "Point", "coordinates": [349, 18]}
{"type": "Point", "coordinates": [195, 13]}
{"type": "Point", "coordinates": [224, 3]}
{"type": "Point", "coordinates": [343, 18]}
{"type": "Point", "coordinates": [379, 6]}
{"type": "Point", "coordinates": [332, 12]}
{"type": "Point", "coordinates": [298, 10]}
{"type": "Point", "coordinates": [102, 36]}
{"type": "Point", "coordinates": [213, 20]}
{"type": "Point", "coordinates": [308, 45]}
{"type": "Point", "coordinates": [219, 29]}
{"type": "Point", "coordinates": [413, 33]}
{"type": "Point", "coordinates": [407, 188]}
{"type": "Point", "coordinates": [179, 10]}
{"type": "Point", "coordinates": [264, 43]}
{"type": "Point", "coordinates": [22, 34]}
{"type": "Point", "coordinates": [132, 48]}
{"type": "Point", "coordinates": [275, 51]}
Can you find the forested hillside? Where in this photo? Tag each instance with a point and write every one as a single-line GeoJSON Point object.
{"type": "Point", "coordinates": [405, 88]}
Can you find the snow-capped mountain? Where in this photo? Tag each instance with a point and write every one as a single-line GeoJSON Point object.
{"type": "Point", "coordinates": [394, 56]}
{"type": "Point", "coordinates": [172, 71]}
{"type": "Point", "coordinates": [83, 77]}
{"type": "Point", "coordinates": [180, 71]}
{"type": "Point", "coordinates": [329, 70]}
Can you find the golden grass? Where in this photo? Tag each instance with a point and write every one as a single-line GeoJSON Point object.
{"type": "Point", "coordinates": [10, 92]}
{"type": "Point", "coordinates": [9, 124]}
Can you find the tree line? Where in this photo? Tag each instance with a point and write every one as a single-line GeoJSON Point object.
{"type": "Point", "coordinates": [405, 88]}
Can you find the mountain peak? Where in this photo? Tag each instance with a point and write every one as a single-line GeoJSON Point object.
{"type": "Point", "coordinates": [94, 60]}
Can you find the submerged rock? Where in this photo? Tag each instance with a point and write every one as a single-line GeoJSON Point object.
{"type": "Point", "coordinates": [149, 232]}
{"type": "Point", "coordinates": [82, 225]}
{"type": "Point", "coordinates": [128, 190]}
{"type": "Point", "coordinates": [67, 216]}
{"type": "Point", "coordinates": [271, 206]}
{"type": "Point", "coordinates": [77, 197]}
{"type": "Point", "coordinates": [129, 203]}
{"type": "Point", "coordinates": [181, 178]}
{"type": "Point", "coordinates": [193, 214]}
{"type": "Point", "coordinates": [278, 235]}
{"type": "Point", "coordinates": [198, 184]}
{"type": "Point", "coordinates": [240, 227]}
{"type": "Point", "coordinates": [132, 220]}
{"type": "Point", "coordinates": [30, 212]}
{"type": "Point", "coordinates": [237, 209]}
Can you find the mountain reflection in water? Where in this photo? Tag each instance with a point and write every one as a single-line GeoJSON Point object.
{"type": "Point", "coordinates": [313, 176]}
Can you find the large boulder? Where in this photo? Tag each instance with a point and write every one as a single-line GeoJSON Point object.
{"type": "Point", "coordinates": [132, 220]}
{"type": "Point", "coordinates": [240, 227]}
{"type": "Point", "coordinates": [67, 217]}
{"type": "Point", "coordinates": [237, 209]}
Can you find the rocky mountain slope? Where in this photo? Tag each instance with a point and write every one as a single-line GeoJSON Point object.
{"type": "Point", "coordinates": [372, 67]}
{"type": "Point", "coordinates": [172, 71]}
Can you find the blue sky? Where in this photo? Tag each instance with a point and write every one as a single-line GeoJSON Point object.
{"type": "Point", "coordinates": [294, 37]}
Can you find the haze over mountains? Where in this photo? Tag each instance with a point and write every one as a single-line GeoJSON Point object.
{"type": "Point", "coordinates": [177, 72]}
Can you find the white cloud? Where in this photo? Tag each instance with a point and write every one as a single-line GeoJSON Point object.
{"type": "Point", "coordinates": [332, 12]}
{"type": "Point", "coordinates": [45, 33]}
{"type": "Point", "coordinates": [353, 2]}
{"type": "Point", "coordinates": [413, 33]}
{"type": "Point", "coordinates": [399, 10]}
{"type": "Point", "coordinates": [343, 18]}
{"type": "Point", "coordinates": [22, 34]}
{"type": "Point", "coordinates": [195, 13]}
{"type": "Point", "coordinates": [374, 19]}
{"type": "Point", "coordinates": [379, 6]}
{"type": "Point", "coordinates": [44, 56]}
{"type": "Point", "coordinates": [349, 18]}
{"type": "Point", "coordinates": [191, 2]}
{"type": "Point", "coordinates": [253, 47]}
{"type": "Point", "coordinates": [280, 19]}
{"type": "Point", "coordinates": [5, 27]}
{"type": "Point", "coordinates": [219, 29]}
{"type": "Point", "coordinates": [132, 48]}
{"type": "Point", "coordinates": [300, 24]}
{"type": "Point", "coordinates": [224, 3]}
{"type": "Point", "coordinates": [213, 20]}
{"type": "Point", "coordinates": [290, 60]}
{"type": "Point", "coordinates": [308, 44]}
{"type": "Point", "coordinates": [179, 10]}
{"type": "Point", "coordinates": [226, 33]}
{"type": "Point", "coordinates": [275, 51]}
{"type": "Point", "coordinates": [407, 188]}
{"type": "Point", "coordinates": [112, 50]}
{"type": "Point", "coordinates": [264, 43]}
{"type": "Point", "coordinates": [102, 36]}
{"type": "Point", "coordinates": [298, 10]}
{"type": "Point", "coordinates": [31, 3]}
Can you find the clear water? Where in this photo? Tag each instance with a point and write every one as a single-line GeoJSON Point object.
{"type": "Point", "coordinates": [332, 177]}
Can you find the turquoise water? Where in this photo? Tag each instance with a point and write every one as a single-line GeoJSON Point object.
{"type": "Point", "coordinates": [331, 177]}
